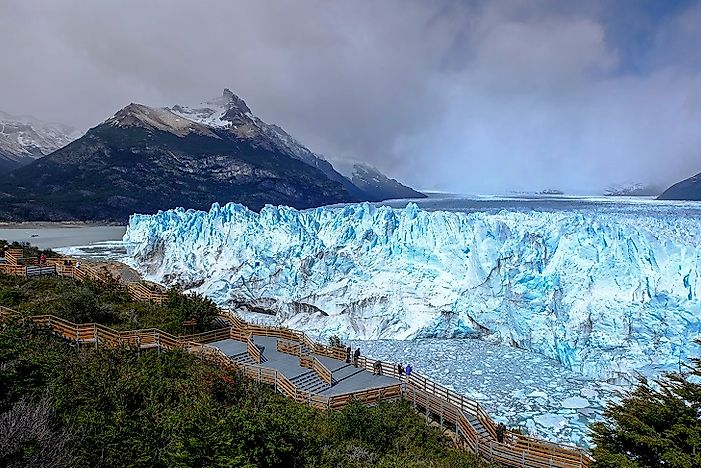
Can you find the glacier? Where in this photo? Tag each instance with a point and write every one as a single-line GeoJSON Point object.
{"type": "Point", "coordinates": [608, 295]}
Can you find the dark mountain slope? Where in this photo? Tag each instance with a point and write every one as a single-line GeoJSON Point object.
{"type": "Point", "coordinates": [688, 189]}
{"type": "Point", "coordinates": [375, 185]}
{"type": "Point", "coordinates": [145, 159]}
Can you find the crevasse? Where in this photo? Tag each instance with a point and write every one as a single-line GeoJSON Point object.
{"type": "Point", "coordinates": [605, 295]}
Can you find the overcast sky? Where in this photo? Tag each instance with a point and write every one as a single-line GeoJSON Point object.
{"type": "Point", "coordinates": [470, 97]}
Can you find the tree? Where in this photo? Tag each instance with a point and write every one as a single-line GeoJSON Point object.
{"type": "Point", "coordinates": [192, 306]}
{"type": "Point", "coordinates": [656, 425]}
{"type": "Point", "coordinates": [29, 436]}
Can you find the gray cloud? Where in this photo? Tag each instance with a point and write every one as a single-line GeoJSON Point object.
{"type": "Point", "coordinates": [463, 96]}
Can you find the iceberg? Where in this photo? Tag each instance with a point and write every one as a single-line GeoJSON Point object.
{"type": "Point", "coordinates": [607, 295]}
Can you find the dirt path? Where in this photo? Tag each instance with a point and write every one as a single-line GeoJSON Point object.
{"type": "Point", "coordinates": [119, 270]}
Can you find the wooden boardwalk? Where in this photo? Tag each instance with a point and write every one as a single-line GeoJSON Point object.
{"type": "Point", "coordinates": [317, 375]}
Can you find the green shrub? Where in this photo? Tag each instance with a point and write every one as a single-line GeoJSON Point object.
{"type": "Point", "coordinates": [655, 425]}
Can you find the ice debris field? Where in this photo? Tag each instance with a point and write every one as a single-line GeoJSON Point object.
{"type": "Point", "coordinates": [517, 387]}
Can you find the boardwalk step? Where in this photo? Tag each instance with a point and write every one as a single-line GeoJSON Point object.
{"type": "Point", "coordinates": [310, 382]}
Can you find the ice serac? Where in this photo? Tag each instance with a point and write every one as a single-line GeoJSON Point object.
{"type": "Point", "coordinates": [605, 295]}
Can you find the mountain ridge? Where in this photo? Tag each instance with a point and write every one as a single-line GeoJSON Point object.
{"type": "Point", "coordinates": [145, 159]}
{"type": "Point", "coordinates": [687, 189]}
{"type": "Point", "coordinates": [24, 139]}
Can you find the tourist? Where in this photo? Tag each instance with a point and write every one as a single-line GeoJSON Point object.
{"type": "Point", "coordinates": [356, 357]}
{"type": "Point", "coordinates": [348, 353]}
{"type": "Point", "coordinates": [407, 371]}
{"type": "Point", "coordinates": [501, 431]}
{"type": "Point", "coordinates": [77, 264]}
{"type": "Point", "coordinates": [42, 259]}
{"type": "Point", "coordinates": [377, 368]}
{"type": "Point", "coordinates": [400, 371]}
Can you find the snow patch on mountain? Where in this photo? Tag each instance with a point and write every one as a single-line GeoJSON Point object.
{"type": "Point", "coordinates": [139, 115]}
{"type": "Point", "coordinates": [24, 138]}
{"type": "Point", "coordinates": [604, 295]}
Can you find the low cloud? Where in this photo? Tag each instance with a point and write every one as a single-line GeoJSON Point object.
{"type": "Point", "coordinates": [460, 96]}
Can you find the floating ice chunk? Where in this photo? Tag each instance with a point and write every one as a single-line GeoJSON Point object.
{"type": "Point", "coordinates": [538, 394]}
{"type": "Point", "coordinates": [589, 393]}
{"type": "Point", "coordinates": [556, 422]}
{"type": "Point", "coordinates": [575, 402]}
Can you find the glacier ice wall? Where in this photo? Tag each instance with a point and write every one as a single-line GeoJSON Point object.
{"type": "Point", "coordinates": [604, 295]}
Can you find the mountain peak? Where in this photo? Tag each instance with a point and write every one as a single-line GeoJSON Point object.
{"type": "Point", "coordinates": [25, 138]}
{"type": "Point", "coordinates": [235, 103]}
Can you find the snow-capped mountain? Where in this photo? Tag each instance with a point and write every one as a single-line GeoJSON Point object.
{"type": "Point", "coordinates": [604, 293]}
{"type": "Point", "coordinates": [230, 112]}
{"type": "Point", "coordinates": [24, 139]}
{"type": "Point", "coordinates": [159, 158]}
{"type": "Point", "coordinates": [145, 159]}
{"type": "Point", "coordinates": [632, 190]}
{"type": "Point", "coordinates": [370, 180]}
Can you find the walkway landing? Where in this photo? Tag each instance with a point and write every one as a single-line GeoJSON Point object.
{"type": "Point", "coordinates": [346, 377]}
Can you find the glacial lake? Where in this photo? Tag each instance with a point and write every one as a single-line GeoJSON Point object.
{"type": "Point", "coordinates": [47, 236]}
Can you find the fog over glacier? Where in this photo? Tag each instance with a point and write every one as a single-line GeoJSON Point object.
{"type": "Point", "coordinates": [608, 293]}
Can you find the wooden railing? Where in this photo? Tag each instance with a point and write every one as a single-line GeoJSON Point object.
{"type": "Point", "coordinates": [209, 336]}
{"type": "Point", "coordinates": [13, 269]}
{"type": "Point", "coordinates": [306, 361]}
{"type": "Point", "coordinates": [514, 452]}
{"type": "Point", "coordinates": [141, 292]}
{"type": "Point", "coordinates": [288, 347]}
{"type": "Point", "coordinates": [238, 335]}
{"type": "Point", "coordinates": [311, 362]}
{"type": "Point", "coordinates": [368, 396]}
{"type": "Point", "coordinates": [253, 350]}
{"type": "Point", "coordinates": [13, 255]}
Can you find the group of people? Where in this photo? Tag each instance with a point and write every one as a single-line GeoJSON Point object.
{"type": "Point", "coordinates": [377, 366]}
{"type": "Point", "coordinates": [401, 370]}
{"type": "Point", "coordinates": [356, 356]}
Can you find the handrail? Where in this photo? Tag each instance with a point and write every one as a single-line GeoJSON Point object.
{"type": "Point", "coordinates": [288, 347]}
{"type": "Point", "coordinates": [322, 371]}
{"type": "Point", "coordinates": [371, 395]}
{"type": "Point", "coordinates": [253, 350]}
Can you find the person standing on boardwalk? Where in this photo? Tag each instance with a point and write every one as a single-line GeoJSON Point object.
{"type": "Point", "coordinates": [501, 430]}
{"type": "Point", "coordinates": [348, 352]}
{"type": "Point", "coordinates": [356, 357]}
{"type": "Point", "coordinates": [400, 371]}
{"type": "Point", "coordinates": [407, 371]}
